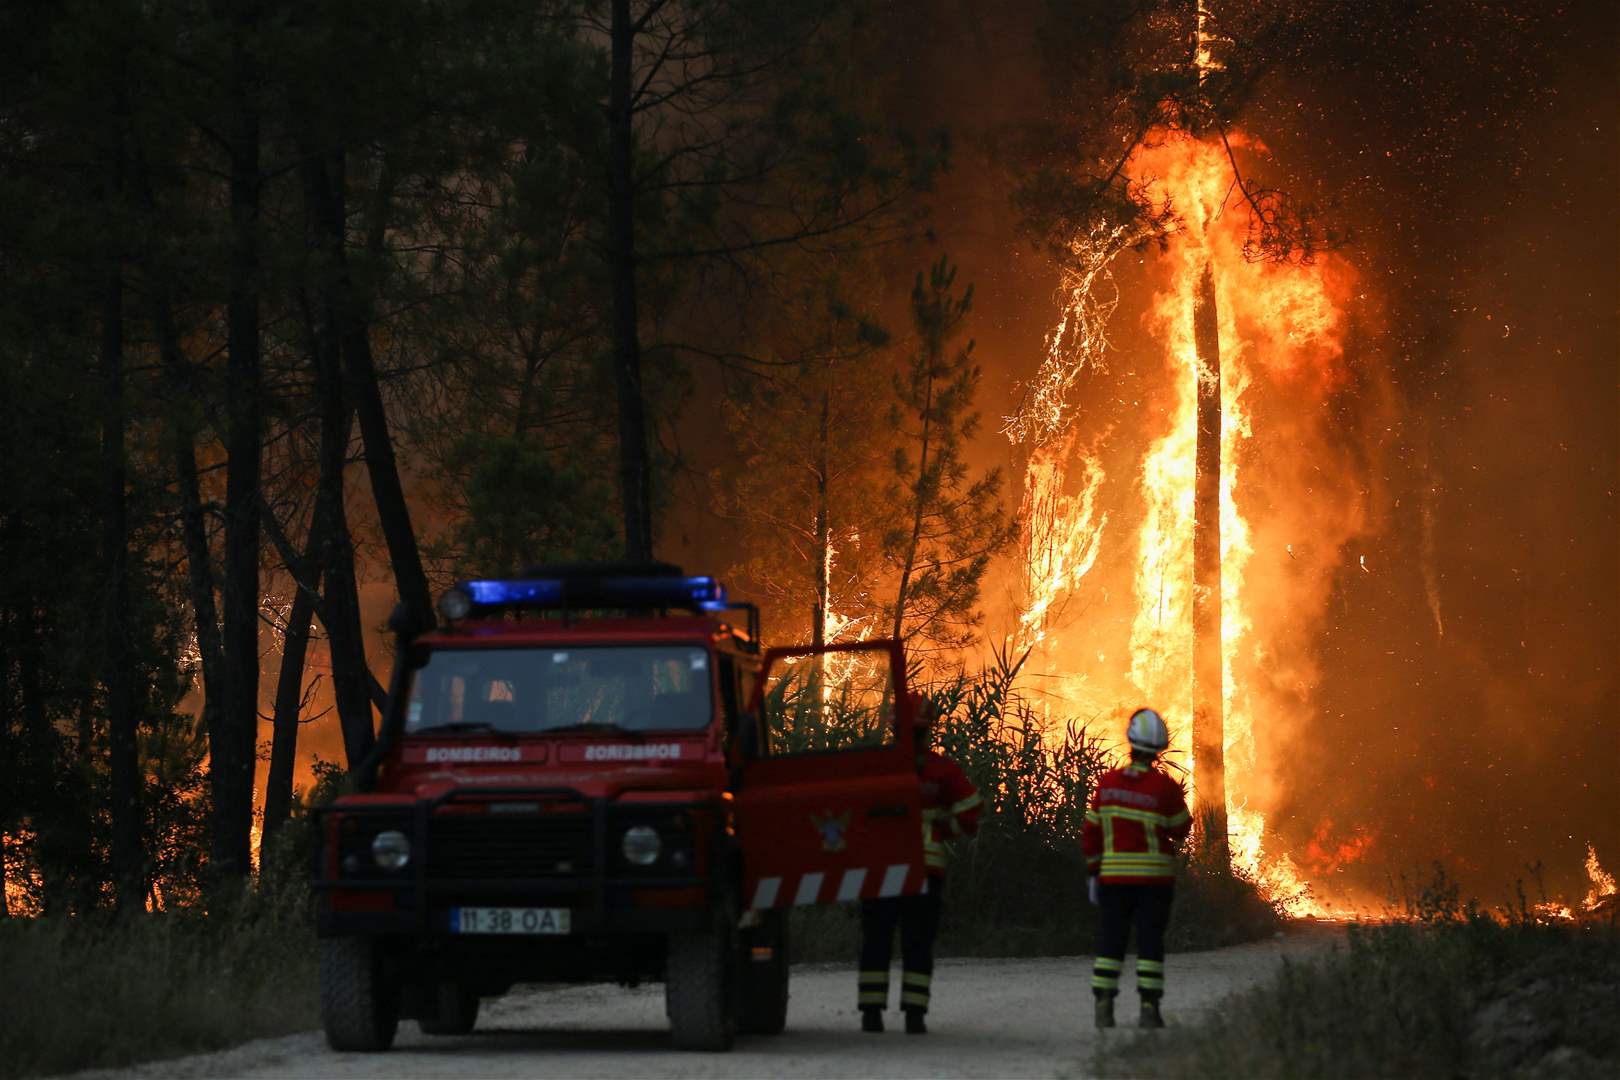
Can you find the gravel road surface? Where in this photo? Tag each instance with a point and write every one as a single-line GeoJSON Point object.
{"type": "Point", "coordinates": [991, 1018]}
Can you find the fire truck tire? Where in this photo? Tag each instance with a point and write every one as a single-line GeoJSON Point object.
{"type": "Point", "coordinates": [456, 1014]}
{"type": "Point", "coordinates": [763, 990]}
{"type": "Point", "coordinates": [359, 1008]}
{"type": "Point", "coordinates": [700, 986]}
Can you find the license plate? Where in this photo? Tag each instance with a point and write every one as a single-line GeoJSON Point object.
{"type": "Point", "coordinates": [509, 920]}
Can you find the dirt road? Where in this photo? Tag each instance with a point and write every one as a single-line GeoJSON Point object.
{"type": "Point", "coordinates": [993, 1018]}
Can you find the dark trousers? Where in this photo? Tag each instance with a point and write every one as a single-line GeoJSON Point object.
{"type": "Point", "coordinates": [1147, 907]}
{"type": "Point", "coordinates": [917, 919]}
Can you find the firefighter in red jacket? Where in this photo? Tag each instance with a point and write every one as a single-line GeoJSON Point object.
{"type": "Point", "coordinates": [1137, 819]}
{"type": "Point", "coordinates": [951, 808]}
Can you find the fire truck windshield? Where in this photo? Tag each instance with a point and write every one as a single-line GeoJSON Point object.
{"type": "Point", "coordinates": [636, 688]}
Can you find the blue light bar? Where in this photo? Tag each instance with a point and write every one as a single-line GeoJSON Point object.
{"type": "Point", "coordinates": [697, 593]}
{"type": "Point", "coordinates": [509, 593]}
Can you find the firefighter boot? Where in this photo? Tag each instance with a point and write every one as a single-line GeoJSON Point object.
{"type": "Point", "coordinates": [915, 1024]}
{"type": "Point", "coordinates": [872, 1019]}
{"type": "Point", "coordinates": [1150, 1014]}
{"type": "Point", "coordinates": [1105, 1010]}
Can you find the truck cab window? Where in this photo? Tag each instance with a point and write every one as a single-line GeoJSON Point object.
{"type": "Point", "coordinates": [630, 688]}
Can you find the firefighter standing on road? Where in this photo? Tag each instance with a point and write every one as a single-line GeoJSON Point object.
{"type": "Point", "coordinates": [951, 808]}
{"type": "Point", "coordinates": [1137, 818]}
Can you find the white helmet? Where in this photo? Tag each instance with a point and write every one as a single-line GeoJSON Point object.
{"type": "Point", "coordinates": [1147, 732]}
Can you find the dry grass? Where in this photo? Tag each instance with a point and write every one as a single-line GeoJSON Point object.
{"type": "Point", "coordinates": [79, 993]}
{"type": "Point", "coordinates": [1449, 990]}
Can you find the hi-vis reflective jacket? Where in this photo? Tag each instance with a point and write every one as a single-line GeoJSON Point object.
{"type": "Point", "coordinates": [951, 806]}
{"type": "Point", "coordinates": [1138, 816]}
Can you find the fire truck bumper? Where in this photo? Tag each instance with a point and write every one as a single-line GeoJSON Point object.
{"type": "Point", "coordinates": [627, 908]}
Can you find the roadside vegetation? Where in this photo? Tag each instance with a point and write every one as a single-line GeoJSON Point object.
{"type": "Point", "coordinates": [103, 991]}
{"type": "Point", "coordinates": [1448, 989]}
{"type": "Point", "coordinates": [81, 995]}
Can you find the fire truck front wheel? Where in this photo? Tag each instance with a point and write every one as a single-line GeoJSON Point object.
{"type": "Point", "coordinates": [700, 985]}
{"type": "Point", "coordinates": [359, 1003]}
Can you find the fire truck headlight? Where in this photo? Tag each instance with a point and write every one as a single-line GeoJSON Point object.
{"type": "Point", "coordinates": [454, 604]}
{"type": "Point", "coordinates": [391, 850]}
{"type": "Point", "coordinates": [641, 845]}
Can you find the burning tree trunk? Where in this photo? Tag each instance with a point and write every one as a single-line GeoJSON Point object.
{"type": "Point", "coordinates": [1209, 764]}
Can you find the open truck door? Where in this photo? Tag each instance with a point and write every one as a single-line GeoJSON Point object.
{"type": "Point", "coordinates": [829, 805]}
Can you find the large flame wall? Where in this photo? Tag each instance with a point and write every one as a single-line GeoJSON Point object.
{"type": "Point", "coordinates": [1293, 498]}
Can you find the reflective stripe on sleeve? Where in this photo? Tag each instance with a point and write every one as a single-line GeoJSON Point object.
{"type": "Point", "coordinates": [1146, 817]}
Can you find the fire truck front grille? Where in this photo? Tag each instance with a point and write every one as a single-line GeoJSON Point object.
{"type": "Point", "coordinates": [489, 846]}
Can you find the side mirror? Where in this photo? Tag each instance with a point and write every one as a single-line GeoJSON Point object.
{"type": "Point", "coordinates": [403, 622]}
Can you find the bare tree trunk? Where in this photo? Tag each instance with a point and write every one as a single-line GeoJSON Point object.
{"type": "Point", "coordinates": [1209, 762]}
{"type": "Point", "coordinates": [339, 608]}
{"type": "Point", "coordinates": [126, 851]}
{"type": "Point", "coordinates": [232, 742]}
{"type": "Point", "coordinates": [193, 529]}
{"type": "Point", "coordinates": [325, 186]}
{"type": "Point", "coordinates": [340, 597]}
{"type": "Point", "coordinates": [184, 423]}
{"type": "Point", "coordinates": [634, 468]}
{"type": "Point", "coordinates": [393, 513]}
{"type": "Point", "coordinates": [278, 784]}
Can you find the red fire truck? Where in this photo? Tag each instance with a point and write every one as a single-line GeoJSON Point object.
{"type": "Point", "coordinates": [597, 774]}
